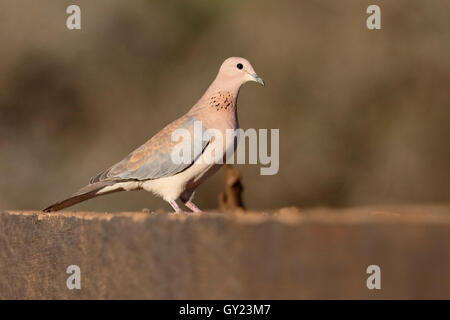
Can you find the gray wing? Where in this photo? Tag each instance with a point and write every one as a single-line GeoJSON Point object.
{"type": "Point", "coordinates": [153, 159]}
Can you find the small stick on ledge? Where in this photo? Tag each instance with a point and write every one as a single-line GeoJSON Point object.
{"type": "Point", "coordinates": [231, 199]}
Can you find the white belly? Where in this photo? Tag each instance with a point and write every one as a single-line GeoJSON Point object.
{"type": "Point", "coordinates": [170, 188]}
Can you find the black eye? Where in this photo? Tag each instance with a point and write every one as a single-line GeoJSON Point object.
{"type": "Point", "coordinates": [239, 66]}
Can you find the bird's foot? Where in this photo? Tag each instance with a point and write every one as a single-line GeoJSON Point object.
{"type": "Point", "coordinates": [175, 206]}
{"type": "Point", "coordinates": [188, 204]}
{"type": "Point", "coordinates": [192, 206]}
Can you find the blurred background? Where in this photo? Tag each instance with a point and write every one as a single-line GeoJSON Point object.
{"type": "Point", "coordinates": [364, 116]}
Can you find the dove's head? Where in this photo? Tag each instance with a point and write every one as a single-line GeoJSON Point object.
{"type": "Point", "coordinates": [238, 71]}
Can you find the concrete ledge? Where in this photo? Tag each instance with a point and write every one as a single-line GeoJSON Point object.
{"type": "Point", "coordinates": [287, 254]}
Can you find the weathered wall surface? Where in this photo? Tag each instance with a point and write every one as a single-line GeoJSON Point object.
{"type": "Point", "coordinates": [287, 254]}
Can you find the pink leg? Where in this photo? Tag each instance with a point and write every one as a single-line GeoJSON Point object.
{"type": "Point", "coordinates": [192, 206]}
{"type": "Point", "coordinates": [175, 206]}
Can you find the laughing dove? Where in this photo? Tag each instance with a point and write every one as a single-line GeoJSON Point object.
{"type": "Point", "coordinates": [152, 167]}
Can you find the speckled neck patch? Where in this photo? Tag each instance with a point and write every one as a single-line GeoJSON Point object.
{"type": "Point", "coordinates": [222, 100]}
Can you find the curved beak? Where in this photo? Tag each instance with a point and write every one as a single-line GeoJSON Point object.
{"type": "Point", "coordinates": [257, 79]}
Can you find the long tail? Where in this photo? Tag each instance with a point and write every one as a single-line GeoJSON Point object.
{"type": "Point", "coordinates": [85, 193]}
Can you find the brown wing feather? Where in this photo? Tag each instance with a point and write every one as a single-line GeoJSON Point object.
{"type": "Point", "coordinates": [152, 160]}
